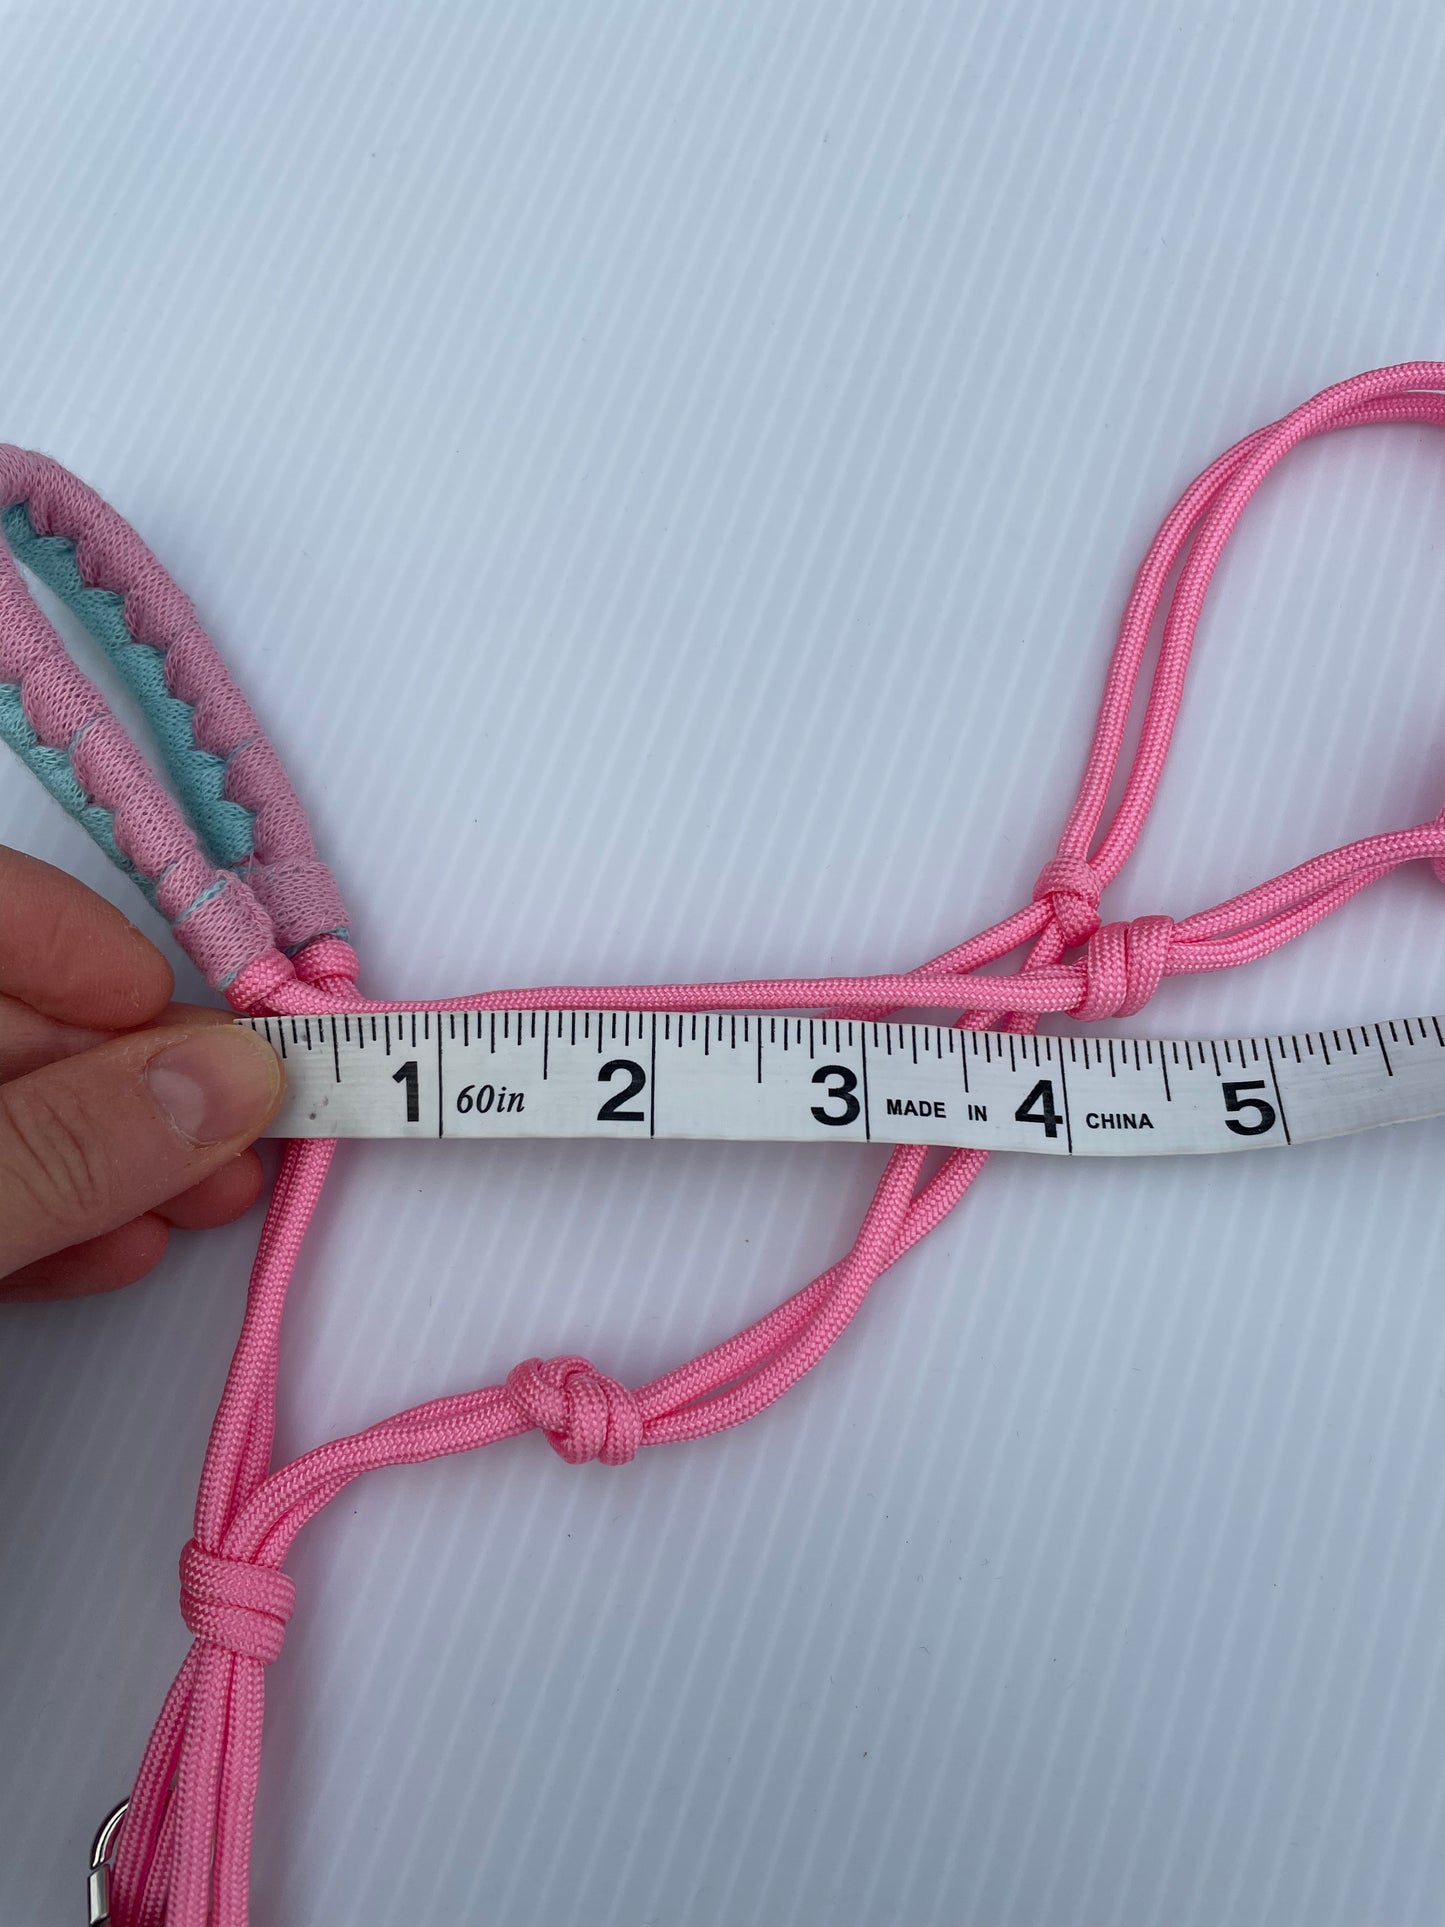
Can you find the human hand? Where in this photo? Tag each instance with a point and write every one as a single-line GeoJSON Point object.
{"type": "Point", "coordinates": [121, 1113]}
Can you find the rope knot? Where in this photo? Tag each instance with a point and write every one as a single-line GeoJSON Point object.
{"type": "Point", "coordinates": [320, 977]}
{"type": "Point", "coordinates": [1123, 966]}
{"type": "Point", "coordinates": [583, 1413]}
{"type": "Point", "coordinates": [255, 987]}
{"type": "Point", "coordinates": [1071, 888]}
{"type": "Point", "coordinates": [331, 964]}
{"type": "Point", "coordinates": [237, 1606]}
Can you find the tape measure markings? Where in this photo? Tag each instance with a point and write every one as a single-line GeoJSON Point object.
{"type": "Point", "coordinates": [771, 1077]}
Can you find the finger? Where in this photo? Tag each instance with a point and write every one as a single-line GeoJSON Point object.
{"type": "Point", "coordinates": [93, 1141]}
{"type": "Point", "coordinates": [105, 1263]}
{"type": "Point", "coordinates": [190, 1014]}
{"type": "Point", "coordinates": [28, 1041]}
{"type": "Point", "coordinates": [224, 1195]}
{"type": "Point", "coordinates": [71, 955]}
{"type": "Point", "coordinates": [122, 1256]}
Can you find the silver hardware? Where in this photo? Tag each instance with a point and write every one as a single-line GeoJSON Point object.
{"type": "Point", "coordinates": [99, 1885]}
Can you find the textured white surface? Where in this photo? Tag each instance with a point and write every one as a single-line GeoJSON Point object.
{"type": "Point", "coordinates": [744, 392]}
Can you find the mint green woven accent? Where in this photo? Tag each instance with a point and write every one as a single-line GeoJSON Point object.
{"type": "Point", "coordinates": [227, 828]}
{"type": "Point", "coordinates": [56, 772]}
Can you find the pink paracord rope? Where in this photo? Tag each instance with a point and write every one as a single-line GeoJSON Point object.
{"type": "Point", "coordinates": [184, 1846]}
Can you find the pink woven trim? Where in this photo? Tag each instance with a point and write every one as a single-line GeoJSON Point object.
{"type": "Point", "coordinates": [222, 933]}
{"type": "Point", "coordinates": [302, 899]}
{"type": "Point", "coordinates": [110, 555]}
{"type": "Point", "coordinates": [149, 826]}
{"type": "Point", "coordinates": [295, 895]}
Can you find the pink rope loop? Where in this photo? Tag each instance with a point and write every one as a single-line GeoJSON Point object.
{"type": "Point", "coordinates": [583, 1413]}
{"type": "Point", "coordinates": [280, 893]}
{"type": "Point", "coordinates": [239, 1607]}
{"type": "Point", "coordinates": [1071, 888]}
{"type": "Point", "coordinates": [1123, 967]}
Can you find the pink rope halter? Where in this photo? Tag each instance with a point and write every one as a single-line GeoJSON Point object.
{"type": "Point", "coordinates": [261, 915]}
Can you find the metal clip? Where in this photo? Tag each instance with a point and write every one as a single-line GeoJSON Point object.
{"type": "Point", "coordinates": [99, 1887]}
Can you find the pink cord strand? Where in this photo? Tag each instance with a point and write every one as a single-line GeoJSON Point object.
{"type": "Point", "coordinates": [185, 1843]}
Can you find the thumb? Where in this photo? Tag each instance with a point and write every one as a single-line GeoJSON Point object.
{"type": "Point", "coordinates": [93, 1141]}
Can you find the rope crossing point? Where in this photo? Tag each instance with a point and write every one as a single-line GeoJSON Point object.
{"type": "Point", "coordinates": [228, 859]}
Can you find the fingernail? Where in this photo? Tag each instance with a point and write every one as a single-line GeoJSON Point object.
{"type": "Point", "coordinates": [220, 1083]}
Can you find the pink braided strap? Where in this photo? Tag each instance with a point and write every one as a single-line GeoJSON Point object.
{"type": "Point", "coordinates": [184, 1846]}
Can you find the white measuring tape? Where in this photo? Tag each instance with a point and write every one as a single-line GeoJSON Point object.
{"type": "Point", "coordinates": [654, 1074]}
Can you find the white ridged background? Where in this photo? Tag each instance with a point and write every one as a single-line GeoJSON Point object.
{"type": "Point", "coordinates": [667, 475]}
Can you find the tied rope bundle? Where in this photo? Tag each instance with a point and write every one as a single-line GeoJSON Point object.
{"type": "Point", "coordinates": [236, 874]}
